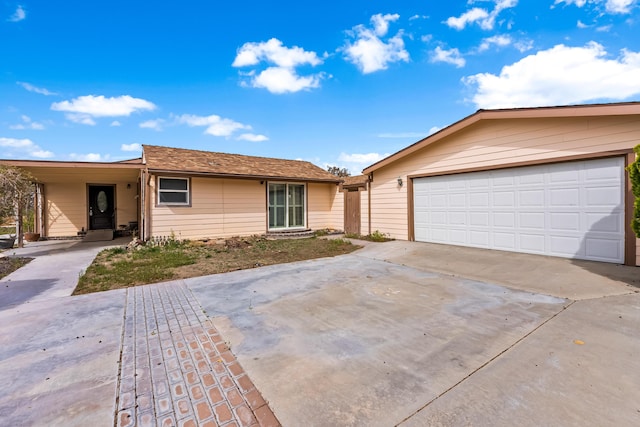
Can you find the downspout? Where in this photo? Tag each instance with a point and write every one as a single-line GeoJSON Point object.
{"type": "Point", "coordinates": [369, 186]}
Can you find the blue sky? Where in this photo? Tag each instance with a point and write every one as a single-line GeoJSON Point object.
{"type": "Point", "coordinates": [335, 83]}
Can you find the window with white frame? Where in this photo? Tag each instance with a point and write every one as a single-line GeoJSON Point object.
{"type": "Point", "coordinates": [286, 206]}
{"type": "Point", "coordinates": [173, 191]}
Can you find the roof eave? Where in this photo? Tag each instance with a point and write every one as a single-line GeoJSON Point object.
{"type": "Point", "coordinates": [70, 165]}
{"type": "Point", "coordinates": [242, 176]}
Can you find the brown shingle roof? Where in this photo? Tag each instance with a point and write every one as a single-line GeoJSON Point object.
{"type": "Point", "coordinates": [355, 180]}
{"type": "Point", "coordinates": [181, 160]}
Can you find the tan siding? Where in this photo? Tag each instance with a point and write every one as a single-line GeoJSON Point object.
{"type": "Point", "coordinates": [65, 197]}
{"type": "Point", "coordinates": [219, 208]}
{"type": "Point", "coordinates": [66, 207]}
{"type": "Point", "coordinates": [337, 208]}
{"type": "Point", "coordinates": [364, 213]}
{"type": "Point", "coordinates": [493, 143]}
{"type": "Point", "coordinates": [323, 206]}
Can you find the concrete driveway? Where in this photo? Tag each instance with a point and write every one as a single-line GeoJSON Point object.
{"type": "Point", "coordinates": [364, 340]}
{"type": "Point", "coordinates": [395, 333]}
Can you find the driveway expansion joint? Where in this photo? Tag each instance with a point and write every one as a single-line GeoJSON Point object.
{"type": "Point", "coordinates": [176, 369]}
{"type": "Point", "coordinates": [479, 368]}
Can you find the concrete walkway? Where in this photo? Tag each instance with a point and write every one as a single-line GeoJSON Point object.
{"type": "Point", "coordinates": [396, 333]}
{"type": "Point", "coordinates": [131, 357]}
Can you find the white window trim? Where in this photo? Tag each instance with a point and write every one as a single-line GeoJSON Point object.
{"type": "Point", "coordinates": [286, 210]}
{"type": "Point", "coordinates": [187, 191]}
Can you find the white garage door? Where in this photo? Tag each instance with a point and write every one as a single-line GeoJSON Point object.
{"type": "Point", "coordinates": [572, 210]}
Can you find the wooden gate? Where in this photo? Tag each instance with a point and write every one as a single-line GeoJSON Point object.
{"type": "Point", "coordinates": [352, 211]}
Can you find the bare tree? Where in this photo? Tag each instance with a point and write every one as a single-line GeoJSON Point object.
{"type": "Point", "coordinates": [16, 189]}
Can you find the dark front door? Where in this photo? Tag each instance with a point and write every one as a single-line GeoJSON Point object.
{"type": "Point", "coordinates": [101, 207]}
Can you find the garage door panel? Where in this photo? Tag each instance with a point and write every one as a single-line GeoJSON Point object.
{"type": "Point", "coordinates": [478, 182]}
{"type": "Point", "coordinates": [458, 200]}
{"type": "Point", "coordinates": [532, 176]}
{"type": "Point", "coordinates": [478, 200]}
{"type": "Point", "coordinates": [479, 238]}
{"type": "Point", "coordinates": [573, 209]}
{"type": "Point", "coordinates": [458, 237]}
{"type": "Point", "coordinates": [479, 219]}
{"type": "Point", "coordinates": [604, 222]}
{"type": "Point", "coordinates": [564, 221]}
{"type": "Point", "coordinates": [504, 241]}
{"type": "Point", "coordinates": [504, 219]}
{"type": "Point", "coordinates": [563, 174]}
{"type": "Point", "coordinates": [532, 243]}
{"type": "Point", "coordinates": [563, 197]}
{"type": "Point", "coordinates": [565, 245]}
{"type": "Point", "coordinates": [504, 199]}
{"type": "Point", "coordinates": [608, 196]}
{"type": "Point", "coordinates": [439, 235]}
{"type": "Point", "coordinates": [532, 198]}
{"type": "Point", "coordinates": [457, 218]}
{"type": "Point", "coordinates": [532, 220]}
{"type": "Point", "coordinates": [603, 249]}
{"type": "Point", "coordinates": [604, 169]}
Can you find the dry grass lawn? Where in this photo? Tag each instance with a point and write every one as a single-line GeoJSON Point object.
{"type": "Point", "coordinates": [120, 268]}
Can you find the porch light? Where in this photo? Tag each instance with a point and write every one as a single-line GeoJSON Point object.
{"type": "Point", "coordinates": [399, 181]}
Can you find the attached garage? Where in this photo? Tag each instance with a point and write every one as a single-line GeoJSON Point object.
{"type": "Point", "coordinates": [548, 181]}
{"type": "Point", "coordinates": [572, 209]}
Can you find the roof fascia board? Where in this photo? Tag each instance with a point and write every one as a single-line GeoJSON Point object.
{"type": "Point", "coordinates": [69, 165]}
{"type": "Point", "coordinates": [238, 176]}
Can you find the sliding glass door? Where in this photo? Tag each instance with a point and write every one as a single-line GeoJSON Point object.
{"type": "Point", "coordinates": [286, 206]}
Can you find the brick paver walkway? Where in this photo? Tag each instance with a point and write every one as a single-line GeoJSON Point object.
{"type": "Point", "coordinates": [176, 369]}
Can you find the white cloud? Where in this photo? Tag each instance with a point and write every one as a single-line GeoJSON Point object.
{"type": "Point", "coordinates": [434, 129]}
{"type": "Point", "coordinates": [27, 123]}
{"type": "Point", "coordinates": [252, 137]}
{"type": "Point", "coordinates": [611, 6]}
{"type": "Point", "coordinates": [35, 89]}
{"type": "Point", "coordinates": [156, 124]}
{"type": "Point", "coordinates": [89, 157]}
{"type": "Point", "coordinates": [282, 78]}
{"type": "Point", "coordinates": [485, 19]}
{"type": "Point", "coordinates": [381, 23]}
{"type": "Point", "coordinates": [467, 18]}
{"type": "Point", "coordinates": [215, 125]}
{"type": "Point", "coordinates": [19, 15]}
{"type": "Point", "coordinates": [115, 123]}
{"type": "Point", "coordinates": [274, 52]}
{"type": "Point", "coordinates": [16, 148]}
{"type": "Point", "coordinates": [83, 119]}
{"type": "Point", "coordinates": [498, 40]}
{"type": "Point", "coordinates": [581, 25]}
{"type": "Point", "coordinates": [84, 108]}
{"type": "Point", "coordinates": [449, 56]}
{"type": "Point", "coordinates": [131, 147]}
{"type": "Point", "coordinates": [560, 75]}
{"type": "Point", "coordinates": [369, 52]}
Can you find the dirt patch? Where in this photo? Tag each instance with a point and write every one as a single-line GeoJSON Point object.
{"type": "Point", "coordinates": [9, 265]}
{"type": "Point", "coordinates": [119, 267]}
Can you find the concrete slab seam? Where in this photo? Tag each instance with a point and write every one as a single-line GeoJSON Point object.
{"type": "Point", "coordinates": [564, 307]}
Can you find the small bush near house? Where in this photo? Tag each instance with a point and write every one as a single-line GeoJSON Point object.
{"type": "Point", "coordinates": [376, 236]}
{"type": "Point", "coordinates": [634, 176]}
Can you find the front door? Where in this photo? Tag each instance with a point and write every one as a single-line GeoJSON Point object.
{"type": "Point", "coordinates": [101, 207]}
